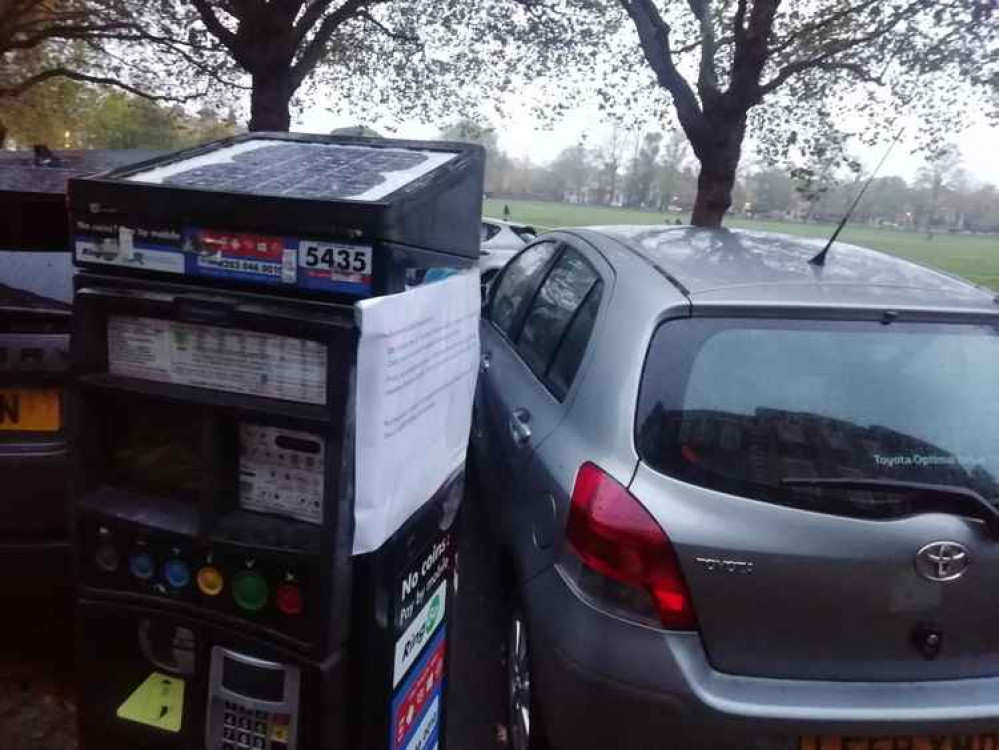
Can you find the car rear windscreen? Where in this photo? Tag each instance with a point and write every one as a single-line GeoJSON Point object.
{"type": "Point", "coordinates": [37, 279]}
{"type": "Point", "coordinates": [741, 405]}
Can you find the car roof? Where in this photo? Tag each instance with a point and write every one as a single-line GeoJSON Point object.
{"type": "Point", "coordinates": [511, 224]}
{"type": "Point", "coordinates": [744, 267]}
{"type": "Point", "coordinates": [18, 171]}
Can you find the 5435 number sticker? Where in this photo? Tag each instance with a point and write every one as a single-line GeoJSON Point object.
{"type": "Point", "coordinates": [335, 260]}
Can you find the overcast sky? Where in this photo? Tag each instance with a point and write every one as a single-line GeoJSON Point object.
{"type": "Point", "coordinates": [522, 136]}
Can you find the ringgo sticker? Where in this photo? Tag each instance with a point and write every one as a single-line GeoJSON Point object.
{"type": "Point", "coordinates": [409, 647]}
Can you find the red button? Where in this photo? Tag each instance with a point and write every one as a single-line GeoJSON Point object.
{"type": "Point", "coordinates": [289, 599]}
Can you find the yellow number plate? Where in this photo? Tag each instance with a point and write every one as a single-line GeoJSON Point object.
{"type": "Point", "coordinates": [30, 409]}
{"type": "Point", "coordinates": [935, 742]}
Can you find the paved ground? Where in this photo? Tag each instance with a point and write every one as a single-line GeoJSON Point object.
{"type": "Point", "coordinates": [36, 698]}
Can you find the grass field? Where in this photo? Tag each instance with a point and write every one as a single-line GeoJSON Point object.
{"type": "Point", "coordinates": [974, 257]}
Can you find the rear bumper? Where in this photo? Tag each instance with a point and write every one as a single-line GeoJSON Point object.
{"type": "Point", "coordinates": [36, 569]}
{"type": "Point", "coordinates": [603, 682]}
{"type": "Point", "coordinates": [34, 521]}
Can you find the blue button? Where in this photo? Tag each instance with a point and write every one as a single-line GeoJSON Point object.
{"type": "Point", "coordinates": [142, 565]}
{"type": "Point", "coordinates": [177, 573]}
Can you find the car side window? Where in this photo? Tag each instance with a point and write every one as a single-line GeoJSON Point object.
{"type": "Point", "coordinates": [487, 231]}
{"type": "Point", "coordinates": [517, 283]}
{"type": "Point", "coordinates": [569, 355]}
{"type": "Point", "coordinates": [553, 309]}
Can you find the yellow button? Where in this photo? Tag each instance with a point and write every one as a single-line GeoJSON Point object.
{"type": "Point", "coordinates": [210, 581]}
{"type": "Point", "coordinates": [279, 733]}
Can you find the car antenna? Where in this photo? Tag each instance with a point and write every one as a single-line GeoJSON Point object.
{"type": "Point", "coordinates": [820, 258]}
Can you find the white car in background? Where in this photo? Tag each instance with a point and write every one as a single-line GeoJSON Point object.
{"type": "Point", "coordinates": [500, 241]}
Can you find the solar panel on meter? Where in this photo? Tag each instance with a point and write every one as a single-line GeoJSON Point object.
{"type": "Point", "coordinates": [303, 170]}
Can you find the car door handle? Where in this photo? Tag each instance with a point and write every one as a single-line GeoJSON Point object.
{"type": "Point", "coordinates": [485, 361]}
{"type": "Point", "coordinates": [520, 426]}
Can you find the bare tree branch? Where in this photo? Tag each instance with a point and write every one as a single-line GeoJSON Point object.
{"type": "Point", "coordinates": [74, 75]}
{"type": "Point", "coordinates": [397, 35]}
{"type": "Point", "coordinates": [752, 40]}
{"type": "Point", "coordinates": [707, 77]}
{"type": "Point", "coordinates": [64, 32]}
{"type": "Point", "coordinates": [213, 24]}
{"type": "Point", "coordinates": [314, 10]}
{"type": "Point", "coordinates": [653, 33]}
{"type": "Point", "coordinates": [824, 60]}
{"type": "Point", "coordinates": [317, 46]}
{"type": "Point", "coordinates": [809, 29]}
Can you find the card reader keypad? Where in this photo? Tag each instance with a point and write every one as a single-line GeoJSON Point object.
{"type": "Point", "coordinates": [245, 728]}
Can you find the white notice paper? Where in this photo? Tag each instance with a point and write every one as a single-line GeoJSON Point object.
{"type": "Point", "coordinates": [416, 367]}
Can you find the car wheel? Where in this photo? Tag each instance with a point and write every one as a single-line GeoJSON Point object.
{"type": "Point", "coordinates": [523, 718]}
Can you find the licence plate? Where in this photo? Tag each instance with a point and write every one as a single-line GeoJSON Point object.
{"type": "Point", "coordinates": [30, 409]}
{"type": "Point", "coordinates": [930, 742]}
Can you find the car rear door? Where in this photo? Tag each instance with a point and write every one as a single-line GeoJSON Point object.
{"type": "Point", "coordinates": [820, 583]}
{"type": "Point", "coordinates": [530, 350]}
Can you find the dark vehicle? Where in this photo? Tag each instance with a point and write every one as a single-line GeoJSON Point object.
{"type": "Point", "coordinates": [35, 311]}
{"type": "Point", "coordinates": [35, 316]}
{"type": "Point", "coordinates": [748, 501]}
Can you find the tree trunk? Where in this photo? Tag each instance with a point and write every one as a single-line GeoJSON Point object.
{"type": "Point", "coordinates": [270, 101]}
{"type": "Point", "coordinates": [719, 152]}
{"type": "Point", "coordinates": [714, 195]}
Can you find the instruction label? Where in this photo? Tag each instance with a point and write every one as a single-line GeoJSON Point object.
{"type": "Point", "coordinates": [422, 578]}
{"type": "Point", "coordinates": [250, 362]}
{"type": "Point", "coordinates": [157, 702]}
{"type": "Point", "coordinates": [281, 472]}
{"type": "Point", "coordinates": [409, 647]}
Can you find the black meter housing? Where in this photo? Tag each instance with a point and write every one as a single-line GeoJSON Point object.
{"type": "Point", "coordinates": [211, 425]}
{"type": "Point", "coordinates": [304, 215]}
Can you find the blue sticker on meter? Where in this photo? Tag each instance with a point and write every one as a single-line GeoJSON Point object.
{"type": "Point", "coordinates": [416, 704]}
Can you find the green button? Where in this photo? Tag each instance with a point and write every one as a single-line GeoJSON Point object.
{"type": "Point", "coordinates": [250, 591]}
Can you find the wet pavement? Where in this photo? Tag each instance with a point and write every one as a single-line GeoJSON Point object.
{"type": "Point", "coordinates": [37, 711]}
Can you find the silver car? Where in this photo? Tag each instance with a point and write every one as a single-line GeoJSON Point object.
{"type": "Point", "coordinates": [746, 500]}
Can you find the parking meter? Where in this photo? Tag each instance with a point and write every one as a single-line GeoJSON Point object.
{"type": "Point", "coordinates": [213, 423]}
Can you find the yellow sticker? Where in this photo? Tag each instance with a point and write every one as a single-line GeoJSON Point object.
{"type": "Point", "coordinates": [279, 733]}
{"type": "Point", "coordinates": [158, 702]}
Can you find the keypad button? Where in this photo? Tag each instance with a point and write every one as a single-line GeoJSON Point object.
{"type": "Point", "coordinates": [244, 723]}
{"type": "Point", "coordinates": [250, 591]}
{"type": "Point", "coordinates": [228, 734]}
{"type": "Point", "coordinates": [258, 741]}
{"type": "Point", "coordinates": [260, 727]}
{"type": "Point", "coordinates": [229, 719]}
{"type": "Point", "coordinates": [142, 565]}
{"type": "Point", "coordinates": [107, 558]}
{"type": "Point", "coordinates": [244, 738]}
{"type": "Point", "coordinates": [177, 573]}
{"type": "Point", "coordinates": [210, 580]}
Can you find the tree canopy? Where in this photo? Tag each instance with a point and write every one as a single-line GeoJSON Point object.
{"type": "Point", "coordinates": [797, 75]}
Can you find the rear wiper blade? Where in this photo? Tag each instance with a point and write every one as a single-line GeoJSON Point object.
{"type": "Point", "coordinates": [941, 497]}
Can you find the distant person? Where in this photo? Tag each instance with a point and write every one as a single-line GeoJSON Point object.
{"type": "Point", "coordinates": [506, 212]}
{"type": "Point", "coordinates": [678, 222]}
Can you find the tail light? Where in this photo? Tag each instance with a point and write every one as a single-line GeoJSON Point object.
{"type": "Point", "coordinates": [615, 536]}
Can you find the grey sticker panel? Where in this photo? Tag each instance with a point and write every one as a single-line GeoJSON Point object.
{"type": "Point", "coordinates": [281, 472]}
